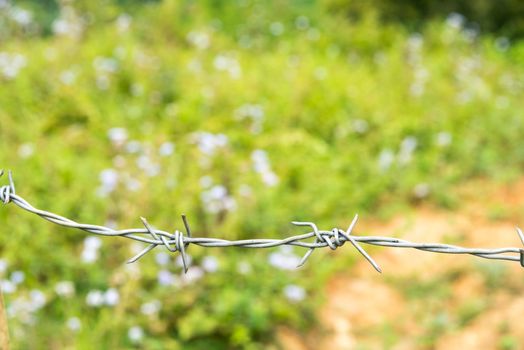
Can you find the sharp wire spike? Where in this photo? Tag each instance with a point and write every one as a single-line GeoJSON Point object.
{"type": "Point", "coordinates": [521, 235]}
{"type": "Point", "coordinates": [11, 182]}
{"type": "Point", "coordinates": [141, 254]}
{"type": "Point", "coordinates": [184, 219]}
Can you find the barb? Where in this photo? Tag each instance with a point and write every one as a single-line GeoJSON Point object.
{"type": "Point", "coordinates": [178, 242]}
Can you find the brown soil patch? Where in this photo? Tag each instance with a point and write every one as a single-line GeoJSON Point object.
{"type": "Point", "coordinates": [431, 301]}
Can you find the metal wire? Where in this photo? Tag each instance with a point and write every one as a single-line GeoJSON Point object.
{"type": "Point", "coordinates": [178, 242]}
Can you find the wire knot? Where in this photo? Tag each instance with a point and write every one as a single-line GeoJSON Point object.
{"type": "Point", "coordinates": [5, 194]}
{"type": "Point", "coordinates": [159, 238]}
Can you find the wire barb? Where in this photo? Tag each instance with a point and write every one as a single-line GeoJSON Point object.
{"type": "Point", "coordinates": [178, 242]}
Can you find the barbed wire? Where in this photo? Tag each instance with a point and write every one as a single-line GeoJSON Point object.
{"type": "Point", "coordinates": [178, 242]}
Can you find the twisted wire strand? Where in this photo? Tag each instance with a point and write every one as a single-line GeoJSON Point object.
{"type": "Point", "coordinates": [178, 242]}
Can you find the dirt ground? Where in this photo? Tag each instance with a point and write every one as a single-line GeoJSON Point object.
{"type": "Point", "coordinates": [425, 300]}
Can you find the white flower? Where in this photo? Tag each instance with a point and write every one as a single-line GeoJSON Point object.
{"type": "Point", "coordinates": [92, 242]}
{"type": "Point", "coordinates": [407, 147]}
{"type": "Point", "coordinates": [200, 40]}
{"type": "Point", "coordinates": [276, 28]}
{"type": "Point", "coordinates": [180, 263]}
{"type": "Point", "coordinates": [17, 277]}
{"type": "Point", "coordinates": [95, 298]}
{"type": "Point", "coordinates": [105, 64]}
{"type": "Point", "coordinates": [386, 159]}
{"type": "Point", "coordinates": [11, 64]}
{"type": "Point", "coordinates": [421, 190]}
{"type": "Point", "coordinates": [209, 143]}
{"type": "Point", "coordinates": [455, 20]}
{"type": "Point", "coordinates": [284, 259]}
{"type": "Point", "coordinates": [210, 263]}
{"type": "Point", "coordinates": [123, 22]}
{"type": "Point", "coordinates": [206, 181]}
{"type": "Point", "coordinates": [7, 286]}
{"type": "Point", "coordinates": [166, 278]}
{"type": "Point", "coordinates": [3, 266]}
{"type": "Point", "coordinates": [162, 258]}
{"type": "Point", "coordinates": [89, 256]}
{"type": "Point", "coordinates": [37, 299]}
{"type": "Point", "coordinates": [228, 64]}
{"type": "Point", "coordinates": [193, 274]}
{"type": "Point", "coordinates": [135, 334]}
{"type": "Point", "coordinates": [133, 185]}
{"type": "Point", "coordinates": [444, 139]}
{"type": "Point", "coordinates": [294, 293]}
{"type": "Point", "coordinates": [166, 149]}
{"type": "Point", "coordinates": [21, 16]}
{"type": "Point", "coordinates": [133, 146]}
{"type": "Point", "coordinates": [111, 297]}
{"type": "Point", "coordinates": [117, 136]}
{"type": "Point", "coordinates": [108, 181]}
{"type": "Point", "coordinates": [151, 308]}
{"type": "Point", "coordinates": [360, 126]}
{"type": "Point", "coordinates": [67, 77]}
{"type": "Point", "coordinates": [261, 165]}
{"type": "Point", "coordinates": [74, 324]}
{"type": "Point", "coordinates": [217, 199]}
{"type": "Point", "coordinates": [65, 288]}
{"type": "Point", "coordinates": [244, 267]}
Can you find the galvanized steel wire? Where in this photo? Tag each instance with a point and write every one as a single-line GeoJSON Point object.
{"type": "Point", "coordinates": [179, 242]}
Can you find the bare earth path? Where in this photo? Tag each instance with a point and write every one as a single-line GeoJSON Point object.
{"type": "Point", "coordinates": [425, 300]}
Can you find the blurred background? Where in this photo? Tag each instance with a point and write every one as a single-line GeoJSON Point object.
{"type": "Point", "coordinates": [246, 115]}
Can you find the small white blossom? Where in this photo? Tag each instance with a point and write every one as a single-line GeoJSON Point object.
{"type": "Point", "coordinates": [123, 22]}
{"type": "Point", "coordinates": [360, 126]}
{"type": "Point", "coordinates": [210, 263]}
{"type": "Point", "coordinates": [166, 278]}
{"type": "Point", "coordinates": [21, 16]}
{"type": "Point", "coordinates": [200, 40]}
{"type": "Point", "coordinates": [228, 64]}
{"type": "Point", "coordinates": [111, 297]}
{"type": "Point", "coordinates": [37, 299]}
{"type": "Point", "coordinates": [17, 277]}
{"type": "Point", "coordinates": [7, 286]}
{"type": "Point", "coordinates": [193, 274]}
{"type": "Point", "coordinates": [244, 267]}
{"type": "Point", "coordinates": [3, 266]}
{"type": "Point", "coordinates": [26, 150]}
{"type": "Point", "coordinates": [133, 146]}
{"type": "Point", "coordinates": [11, 64]}
{"type": "Point", "coordinates": [421, 190]}
{"type": "Point", "coordinates": [162, 258]}
{"type": "Point", "coordinates": [276, 28]}
{"type": "Point", "coordinates": [65, 288]}
{"type": "Point", "coordinates": [294, 293]}
{"type": "Point", "coordinates": [135, 334]}
{"type": "Point", "coordinates": [209, 143]}
{"type": "Point", "coordinates": [151, 308]}
{"type": "Point", "coordinates": [386, 159]}
{"type": "Point", "coordinates": [74, 324]}
{"type": "Point", "coordinates": [284, 259]}
{"type": "Point", "coordinates": [455, 20]}
{"type": "Point", "coordinates": [117, 136]}
{"type": "Point", "coordinates": [444, 139]}
{"type": "Point", "coordinates": [95, 298]}
{"type": "Point", "coordinates": [67, 77]}
{"type": "Point", "coordinates": [166, 149]}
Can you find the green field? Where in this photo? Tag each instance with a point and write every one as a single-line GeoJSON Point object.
{"type": "Point", "coordinates": [245, 117]}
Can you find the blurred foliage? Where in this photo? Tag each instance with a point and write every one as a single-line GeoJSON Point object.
{"type": "Point", "coordinates": [500, 17]}
{"type": "Point", "coordinates": [245, 116]}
